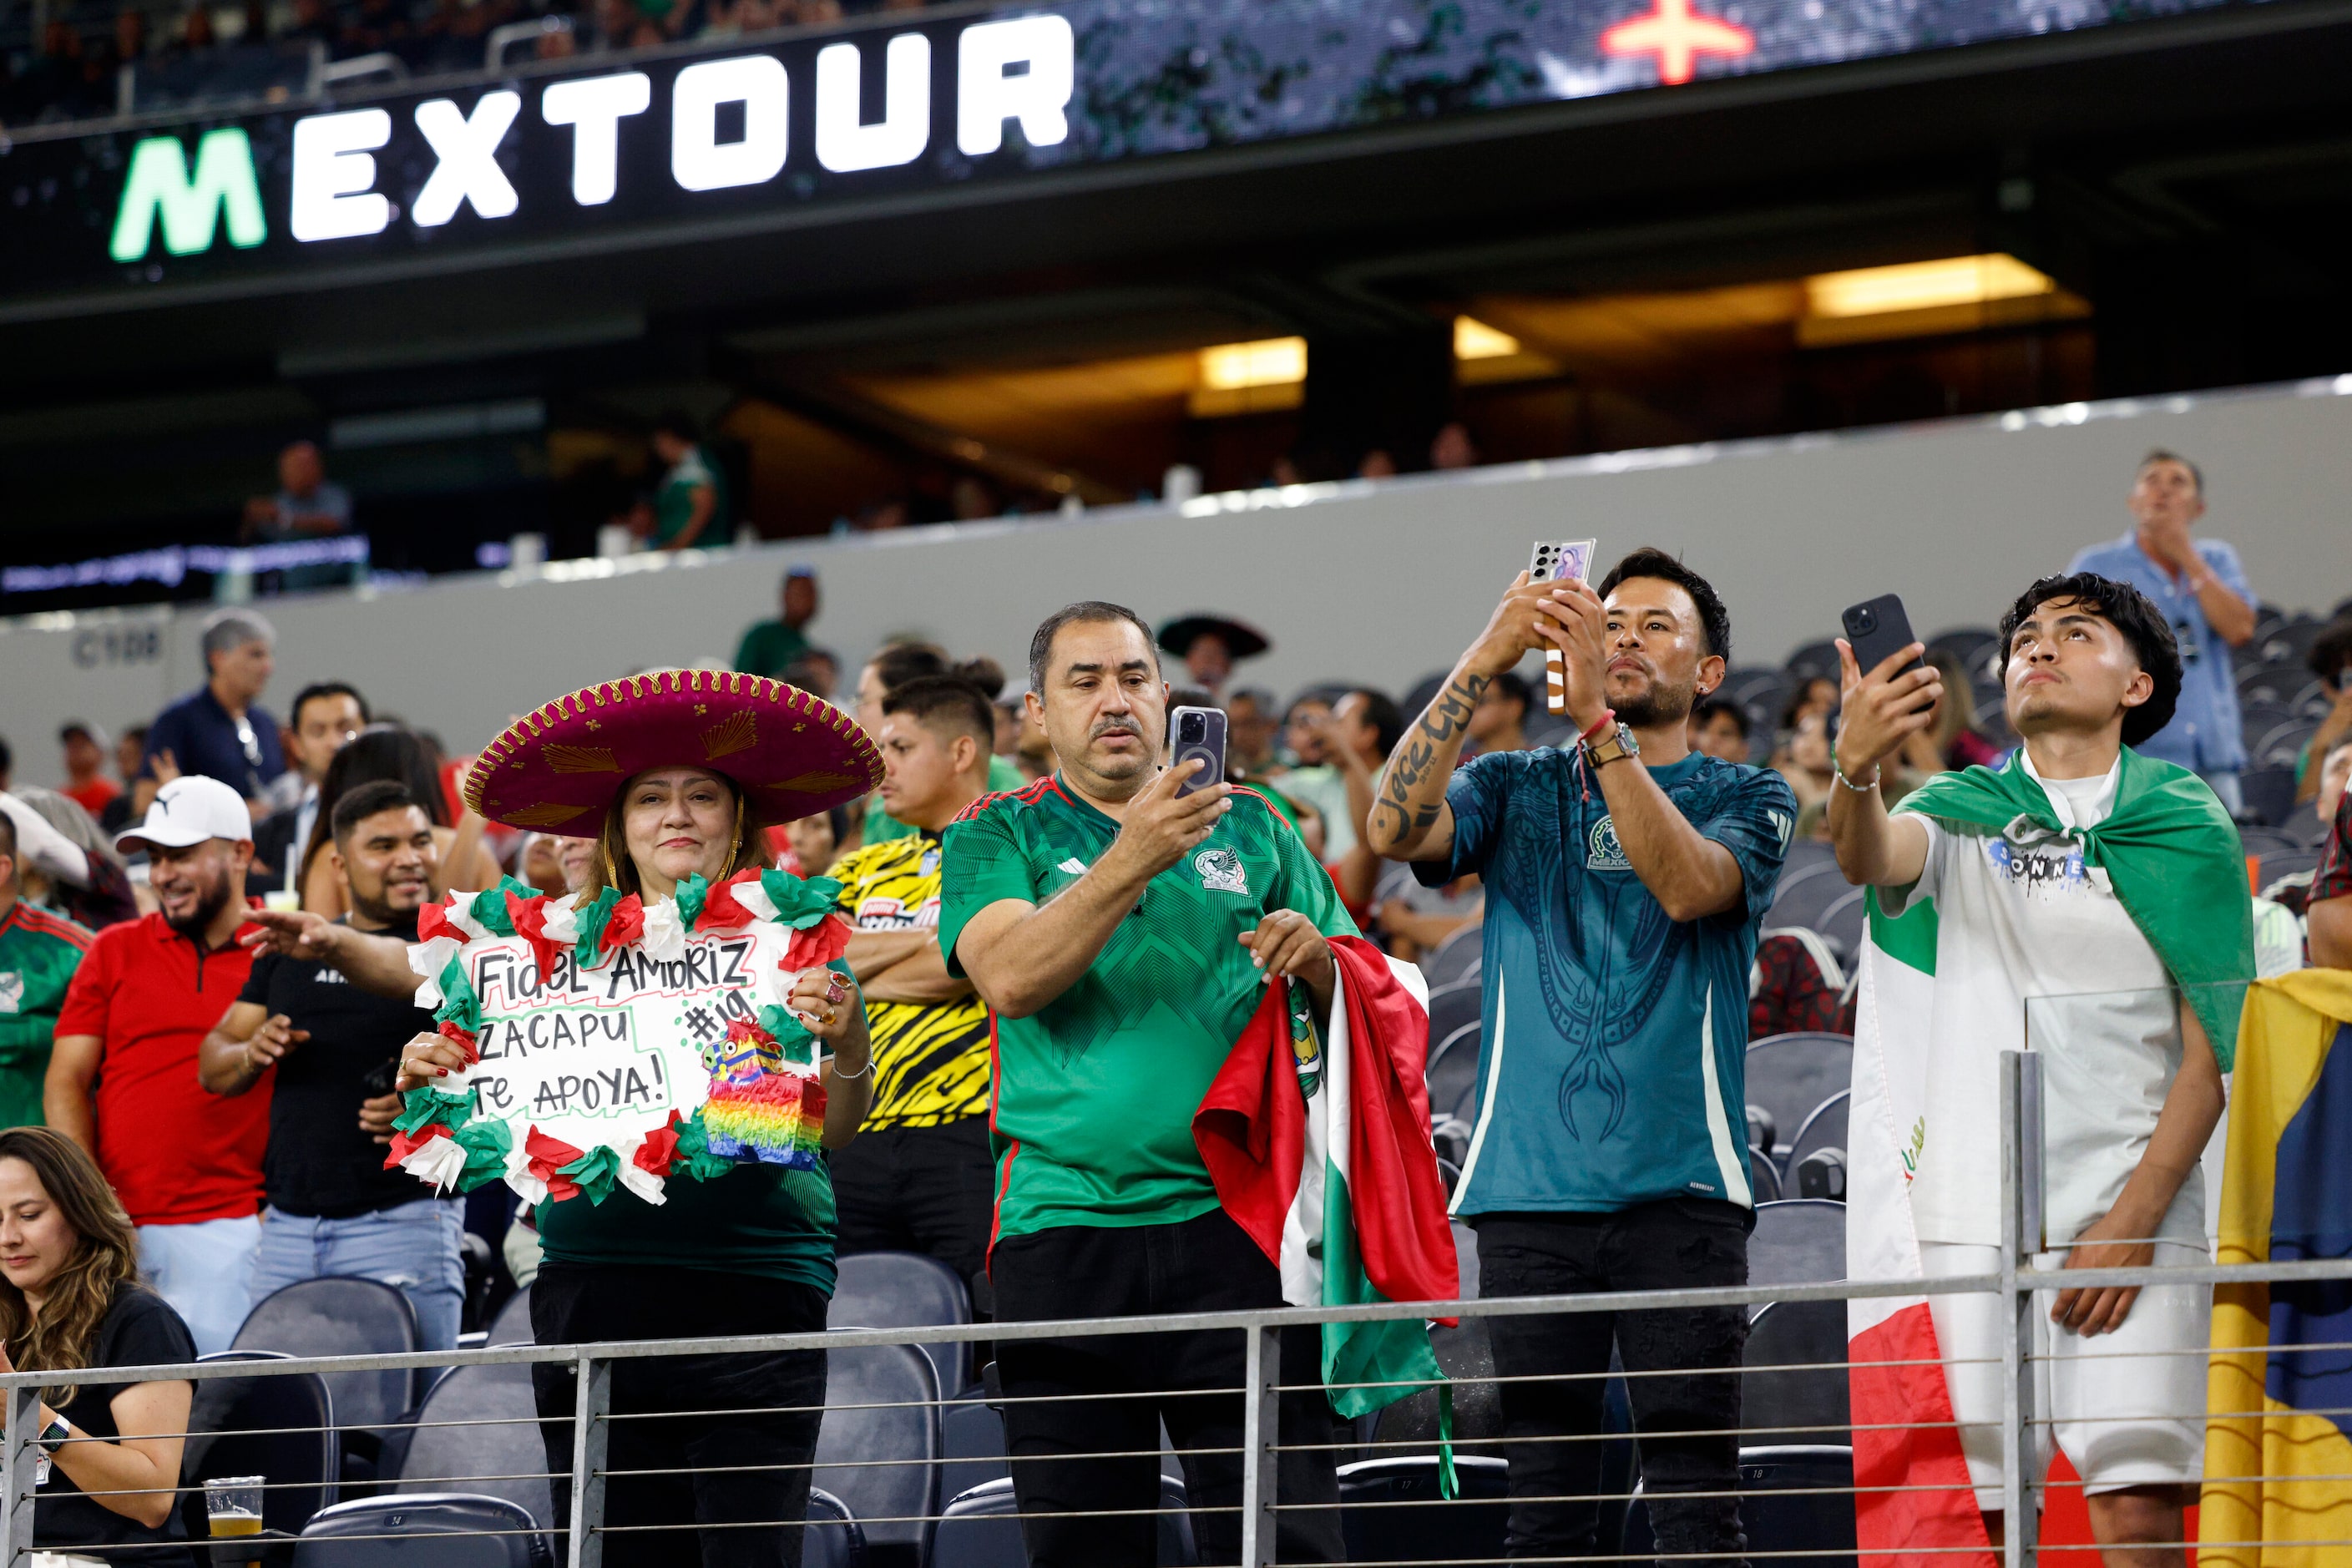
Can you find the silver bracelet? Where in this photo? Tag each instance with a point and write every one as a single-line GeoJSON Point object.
{"type": "Point", "coordinates": [841, 1076]}
{"type": "Point", "coordinates": [1839, 769]}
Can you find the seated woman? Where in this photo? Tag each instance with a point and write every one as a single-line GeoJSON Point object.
{"type": "Point", "coordinates": [70, 1301]}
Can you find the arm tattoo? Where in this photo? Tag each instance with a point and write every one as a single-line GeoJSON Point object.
{"type": "Point", "coordinates": [1447, 717]}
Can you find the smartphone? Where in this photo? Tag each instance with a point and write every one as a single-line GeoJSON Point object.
{"type": "Point", "coordinates": [1198, 733]}
{"type": "Point", "coordinates": [1878, 630]}
{"type": "Point", "coordinates": [1557, 560]}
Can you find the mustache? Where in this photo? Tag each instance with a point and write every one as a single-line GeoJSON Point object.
{"type": "Point", "coordinates": [1115, 727]}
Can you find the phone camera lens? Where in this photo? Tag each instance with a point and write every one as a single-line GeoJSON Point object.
{"type": "Point", "coordinates": [1865, 620]}
{"type": "Point", "coordinates": [1192, 727]}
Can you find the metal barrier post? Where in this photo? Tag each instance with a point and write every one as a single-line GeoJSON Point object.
{"type": "Point", "coordinates": [1261, 1428]}
{"type": "Point", "coordinates": [18, 1460]}
{"type": "Point", "coordinates": [2020, 1238]}
{"type": "Point", "coordinates": [590, 1433]}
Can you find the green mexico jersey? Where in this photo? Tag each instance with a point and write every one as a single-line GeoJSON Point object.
{"type": "Point", "coordinates": [1094, 1094]}
{"type": "Point", "coordinates": [38, 955]}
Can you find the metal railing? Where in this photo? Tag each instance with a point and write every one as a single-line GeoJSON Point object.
{"type": "Point", "coordinates": [1261, 1508]}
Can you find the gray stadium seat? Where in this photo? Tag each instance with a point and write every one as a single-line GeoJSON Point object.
{"type": "Point", "coordinates": [1454, 959]}
{"type": "Point", "coordinates": [1791, 1406]}
{"type": "Point", "coordinates": [505, 1442]}
{"type": "Point", "coordinates": [1790, 1075]}
{"type": "Point", "coordinates": [1803, 894]}
{"type": "Point", "coordinates": [443, 1529]}
{"type": "Point", "coordinates": [2269, 793]}
{"type": "Point", "coordinates": [1813, 659]}
{"type": "Point", "coordinates": [1797, 1241]}
{"type": "Point", "coordinates": [281, 1426]}
{"type": "Point", "coordinates": [831, 1538]}
{"type": "Point", "coordinates": [343, 1316]}
{"type": "Point", "coordinates": [513, 1325]}
{"type": "Point", "coordinates": [874, 1410]}
{"type": "Point", "coordinates": [981, 1529]}
{"type": "Point", "coordinates": [1451, 1006]}
{"type": "Point", "coordinates": [1824, 1129]}
{"type": "Point", "coordinates": [906, 1290]}
{"type": "Point", "coordinates": [1453, 1068]}
{"type": "Point", "coordinates": [1469, 1528]}
{"type": "Point", "coordinates": [1841, 923]}
{"type": "Point", "coordinates": [2294, 863]}
{"type": "Point", "coordinates": [1764, 1176]}
{"type": "Point", "coordinates": [973, 1454]}
{"type": "Point", "coordinates": [1465, 1259]}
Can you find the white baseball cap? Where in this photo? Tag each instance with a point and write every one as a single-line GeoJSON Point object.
{"type": "Point", "coordinates": [189, 810]}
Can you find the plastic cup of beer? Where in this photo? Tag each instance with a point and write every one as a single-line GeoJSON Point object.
{"type": "Point", "coordinates": [234, 1505]}
{"type": "Point", "coordinates": [281, 899]}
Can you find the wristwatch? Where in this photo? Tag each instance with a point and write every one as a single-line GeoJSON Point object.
{"type": "Point", "coordinates": [1610, 747]}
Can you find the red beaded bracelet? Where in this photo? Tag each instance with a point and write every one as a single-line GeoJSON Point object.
{"type": "Point", "coordinates": [1608, 716]}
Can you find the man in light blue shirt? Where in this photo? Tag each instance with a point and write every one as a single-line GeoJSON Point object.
{"type": "Point", "coordinates": [2201, 589]}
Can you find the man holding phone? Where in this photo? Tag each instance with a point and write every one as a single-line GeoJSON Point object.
{"type": "Point", "coordinates": [1122, 932]}
{"type": "Point", "coordinates": [1625, 877]}
{"type": "Point", "coordinates": [2095, 897]}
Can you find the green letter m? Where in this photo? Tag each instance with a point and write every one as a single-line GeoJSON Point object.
{"type": "Point", "coordinates": [159, 182]}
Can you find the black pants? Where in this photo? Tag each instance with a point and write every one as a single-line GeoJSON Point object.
{"type": "Point", "coordinates": [919, 1189]}
{"type": "Point", "coordinates": [1206, 1263]}
{"type": "Point", "coordinates": [571, 1304]}
{"type": "Point", "coordinates": [1679, 1243]}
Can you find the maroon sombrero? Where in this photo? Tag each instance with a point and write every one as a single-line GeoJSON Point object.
{"type": "Point", "coordinates": [556, 770]}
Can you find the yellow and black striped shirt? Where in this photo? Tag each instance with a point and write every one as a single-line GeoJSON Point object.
{"type": "Point", "coordinates": [930, 1059]}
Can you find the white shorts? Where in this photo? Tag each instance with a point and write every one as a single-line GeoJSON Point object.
{"type": "Point", "coordinates": [2127, 1407]}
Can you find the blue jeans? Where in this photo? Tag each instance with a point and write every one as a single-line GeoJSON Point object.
{"type": "Point", "coordinates": [2224, 784]}
{"type": "Point", "coordinates": [204, 1270]}
{"type": "Point", "coordinates": [415, 1249]}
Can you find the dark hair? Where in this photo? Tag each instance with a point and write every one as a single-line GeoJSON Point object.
{"type": "Point", "coordinates": [1651, 562]}
{"type": "Point", "coordinates": [1382, 714]}
{"type": "Point", "coordinates": [1511, 685]}
{"type": "Point", "coordinates": [7, 835]}
{"type": "Point", "coordinates": [678, 422]}
{"type": "Point", "coordinates": [63, 1335]}
{"type": "Point", "coordinates": [2128, 610]}
{"type": "Point", "coordinates": [947, 702]}
{"type": "Point", "coordinates": [899, 663]}
{"type": "Point", "coordinates": [1192, 697]}
{"type": "Point", "coordinates": [7, 757]}
{"type": "Point", "coordinates": [1086, 612]}
{"type": "Point", "coordinates": [379, 752]}
{"type": "Point", "coordinates": [2161, 455]}
{"type": "Point", "coordinates": [1708, 709]}
{"type": "Point", "coordinates": [318, 688]}
{"type": "Point", "coordinates": [613, 866]}
{"type": "Point", "coordinates": [2331, 651]}
{"type": "Point", "coordinates": [367, 800]}
{"type": "Point", "coordinates": [133, 732]}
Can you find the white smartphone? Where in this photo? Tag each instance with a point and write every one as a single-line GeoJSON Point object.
{"type": "Point", "coordinates": [1555, 561]}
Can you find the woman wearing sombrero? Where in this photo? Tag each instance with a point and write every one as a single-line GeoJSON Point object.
{"type": "Point", "coordinates": [674, 775]}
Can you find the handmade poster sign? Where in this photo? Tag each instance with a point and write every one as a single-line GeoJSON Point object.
{"type": "Point", "coordinates": [619, 1042]}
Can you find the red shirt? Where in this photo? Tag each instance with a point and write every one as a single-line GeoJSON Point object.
{"type": "Point", "coordinates": [93, 796]}
{"type": "Point", "coordinates": [175, 1153]}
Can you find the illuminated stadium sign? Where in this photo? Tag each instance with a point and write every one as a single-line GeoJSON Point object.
{"type": "Point", "coordinates": [598, 152]}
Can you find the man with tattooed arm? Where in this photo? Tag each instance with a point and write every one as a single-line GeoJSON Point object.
{"type": "Point", "coordinates": [1626, 875]}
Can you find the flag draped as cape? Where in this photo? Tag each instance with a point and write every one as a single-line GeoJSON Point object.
{"type": "Point", "coordinates": [1320, 1151]}
{"type": "Point", "coordinates": [2174, 860]}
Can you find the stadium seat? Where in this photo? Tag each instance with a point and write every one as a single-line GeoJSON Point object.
{"type": "Point", "coordinates": [2264, 842]}
{"type": "Point", "coordinates": [2280, 746]}
{"type": "Point", "coordinates": [513, 1325]}
{"type": "Point", "coordinates": [430, 1530]}
{"type": "Point", "coordinates": [1805, 853]}
{"type": "Point", "coordinates": [879, 1407]}
{"type": "Point", "coordinates": [972, 1434]}
{"type": "Point", "coordinates": [1807, 1402]}
{"type": "Point", "coordinates": [833, 1538]}
{"type": "Point", "coordinates": [1414, 1525]}
{"type": "Point", "coordinates": [2276, 869]}
{"type": "Point", "coordinates": [280, 1427]}
{"type": "Point", "coordinates": [496, 1452]}
{"type": "Point", "coordinates": [2269, 793]}
{"type": "Point", "coordinates": [345, 1316]}
{"type": "Point", "coordinates": [1790, 1075]}
{"type": "Point", "coordinates": [1841, 925]}
{"type": "Point", "coordinates": [1804, 894]}
{"type": "Point", "coordinates": [1454, 959]}
{"type": "Point", "coordinates": [2303, 825]}
{"type": "Point", "coordinates": [1972, 645]}
{"type": "Point", "coordinates": [1452, 1006]}
{"type": "Point", "coordinates": [1815, 660]}
{"type": "Point", "coordinates": [1792, 1500]}
{"type": "Point", "coordinates": [1820, 1173]}
{"type": "Point", "coordinates": [906, 1290]}
{"type": "Point", "coordinates": [1824, 1129]}
{"type": "Point", "coordinates": [1453, 1068]}
{"type": "Point", "coordinates": [981, 1529]}
{"type": "Point", "coordinates": [1763, 1175]}
{"type": "Point", "coordinates": [1797, 1241]}
{"type": "Point", "coordinates": [1763, 1133]}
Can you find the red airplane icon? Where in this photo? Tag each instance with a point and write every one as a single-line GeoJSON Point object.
{"type": "Point", "coordinates": [1675, 36]}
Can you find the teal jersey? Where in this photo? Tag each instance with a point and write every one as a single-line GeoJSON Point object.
{"type": "Point", "coordinates": [1094, 1095]}
{"type": "Point", "coordinates": [38, 955]}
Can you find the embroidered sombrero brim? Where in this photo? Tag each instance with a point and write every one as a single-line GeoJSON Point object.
{"type": "Point", "coordinates": [1242, 641]}
{"type": "Point", "coordinates": [556, 770]}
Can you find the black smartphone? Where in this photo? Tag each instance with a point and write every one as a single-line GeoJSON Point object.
{"type": "Point", "coordinates": [1198, 733]}
{"type": "Point", "coordinates": [1878, 630]}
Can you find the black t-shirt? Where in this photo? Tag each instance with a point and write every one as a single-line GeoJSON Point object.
{"type": "Point", "coordinates": [320, 1163]}
{"type": "Point", "coordinates": [139, 1329]}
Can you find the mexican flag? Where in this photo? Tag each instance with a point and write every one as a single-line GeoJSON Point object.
{"type": "Point", "coordinates": [1320, 1149]}
{"type": "Point", "coordinates": [2173, 857]}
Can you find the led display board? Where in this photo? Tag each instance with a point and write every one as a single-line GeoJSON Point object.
{"type": "Point", "coordinates": [612, 150]}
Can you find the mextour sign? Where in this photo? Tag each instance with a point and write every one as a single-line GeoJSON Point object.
{"type": "Point", "coordinates": [713, 125]}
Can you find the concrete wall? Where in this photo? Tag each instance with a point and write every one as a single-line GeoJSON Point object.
{"type": "Point", "coordinates": [1375, 582]}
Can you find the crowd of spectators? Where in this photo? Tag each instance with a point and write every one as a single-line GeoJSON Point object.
{"type": "Point", "coordinates": [141, 1023]}
{"type": "Point", "coordinates": [69, 70]}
